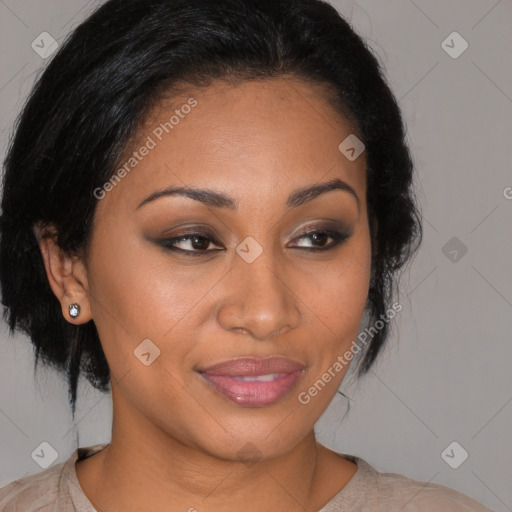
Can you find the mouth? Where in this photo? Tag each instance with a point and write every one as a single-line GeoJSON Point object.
{"type": "Point", "coordinates": [253, 382]}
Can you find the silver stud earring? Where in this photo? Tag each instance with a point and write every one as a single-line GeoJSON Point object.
{"type": "Point", "coordinates": [74, 310]}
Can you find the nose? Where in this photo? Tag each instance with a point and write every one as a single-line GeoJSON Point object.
{"type": "Point", "coordinates": [259, 299]}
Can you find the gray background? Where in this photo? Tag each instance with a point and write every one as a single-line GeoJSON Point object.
{"type": "Point", "coordinates": [445, 375]}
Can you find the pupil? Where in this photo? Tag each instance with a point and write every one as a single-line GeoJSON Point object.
{"type": "Point", "coordinates": [319, 237]}
{"type": "Point", "coordinates": [203, 245]}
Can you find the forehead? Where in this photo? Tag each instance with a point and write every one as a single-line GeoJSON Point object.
{"type": "Point", "coordinates": [252, 140]}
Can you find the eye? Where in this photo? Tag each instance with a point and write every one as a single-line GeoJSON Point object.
{"type": "Point", "coordinates": [319, 238]}
{"type": "Point", "coordinates": [198, 244]}
{"type": "Point", "coordinates": [192, 244]}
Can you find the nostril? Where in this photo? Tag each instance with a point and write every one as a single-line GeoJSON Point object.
{"type": "Point", "coordinates": [277, 334]}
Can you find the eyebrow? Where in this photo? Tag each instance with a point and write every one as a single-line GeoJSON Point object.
{"type": "Point", "coordinates": [216, 199]}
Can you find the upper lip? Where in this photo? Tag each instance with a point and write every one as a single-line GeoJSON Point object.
{"type": "Point", "coordinates": [245, 366]}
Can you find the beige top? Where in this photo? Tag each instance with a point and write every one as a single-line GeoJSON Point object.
{"type": "Point", "coordinates": [57, 489]}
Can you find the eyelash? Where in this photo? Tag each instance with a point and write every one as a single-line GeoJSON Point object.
{"type": "Point", "coordinates": [337, 236]}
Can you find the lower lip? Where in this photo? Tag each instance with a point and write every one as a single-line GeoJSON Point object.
{"type": "Point", "coordinates": [253, 393]}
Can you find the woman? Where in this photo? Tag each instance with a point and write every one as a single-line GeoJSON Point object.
{"type": "Point", "coordinates": [201, 201]}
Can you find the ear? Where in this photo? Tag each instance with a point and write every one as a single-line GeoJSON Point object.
{"type": "Point", "coordinates": [66, 275]}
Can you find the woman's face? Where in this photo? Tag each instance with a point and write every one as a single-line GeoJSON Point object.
{"type": "Point", "coordinates": [247, 285]}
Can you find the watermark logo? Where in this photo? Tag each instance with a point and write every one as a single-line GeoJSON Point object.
{"type": "Point", "coordinates": [351, 147]}
{"type": "Point", "coordinates": [249, 454]}
{"type": "Point", "coordinates": [44, 455]}
{"type": "Point", "coordinates": [147, 352]}
{"type": "Point", "coordinates": [454, 249]}
{"type": "Point", "coordinates": [454, 455]}
{"type": "Point", "coordinates": [44, 45]}
{"type": "Point", "coordinates": [249, 249]}
{"type": "Point", "coordinates": [454, 45]}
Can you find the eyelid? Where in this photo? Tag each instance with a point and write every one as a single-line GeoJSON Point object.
{"type": "Point", "coordinates": [191, 229]}
{"type": "Point", "coordinates": [324, 226]}
{"type": "Point", "coordinates": [308, 228]}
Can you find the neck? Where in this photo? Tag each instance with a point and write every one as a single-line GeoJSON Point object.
{"type": "Point", "coordinates": [143, 468]}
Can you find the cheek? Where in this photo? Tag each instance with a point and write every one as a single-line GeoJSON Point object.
{"type": "Point", "coordinates": [338, 301]}
{"type": "Point", "coordinates": [337, 293]}
{"type": "Point", "coordinates": [139, 292]}
{"type": "Point", "coordinates": [353, 287]}
{"type": "Point", "coordinates": [132, 297]}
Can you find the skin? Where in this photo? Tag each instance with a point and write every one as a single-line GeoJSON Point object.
{"type": "Point", "coordinates": [175, 441]}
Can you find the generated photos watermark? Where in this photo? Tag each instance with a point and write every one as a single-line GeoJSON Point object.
{"type": "Point", "coordinates": [151, 142]}
{"type": "Point", "coordinates": [363, 338]}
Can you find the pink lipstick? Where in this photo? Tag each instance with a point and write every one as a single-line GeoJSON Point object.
{"type": "Point", "coordinates": [254, 382]}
